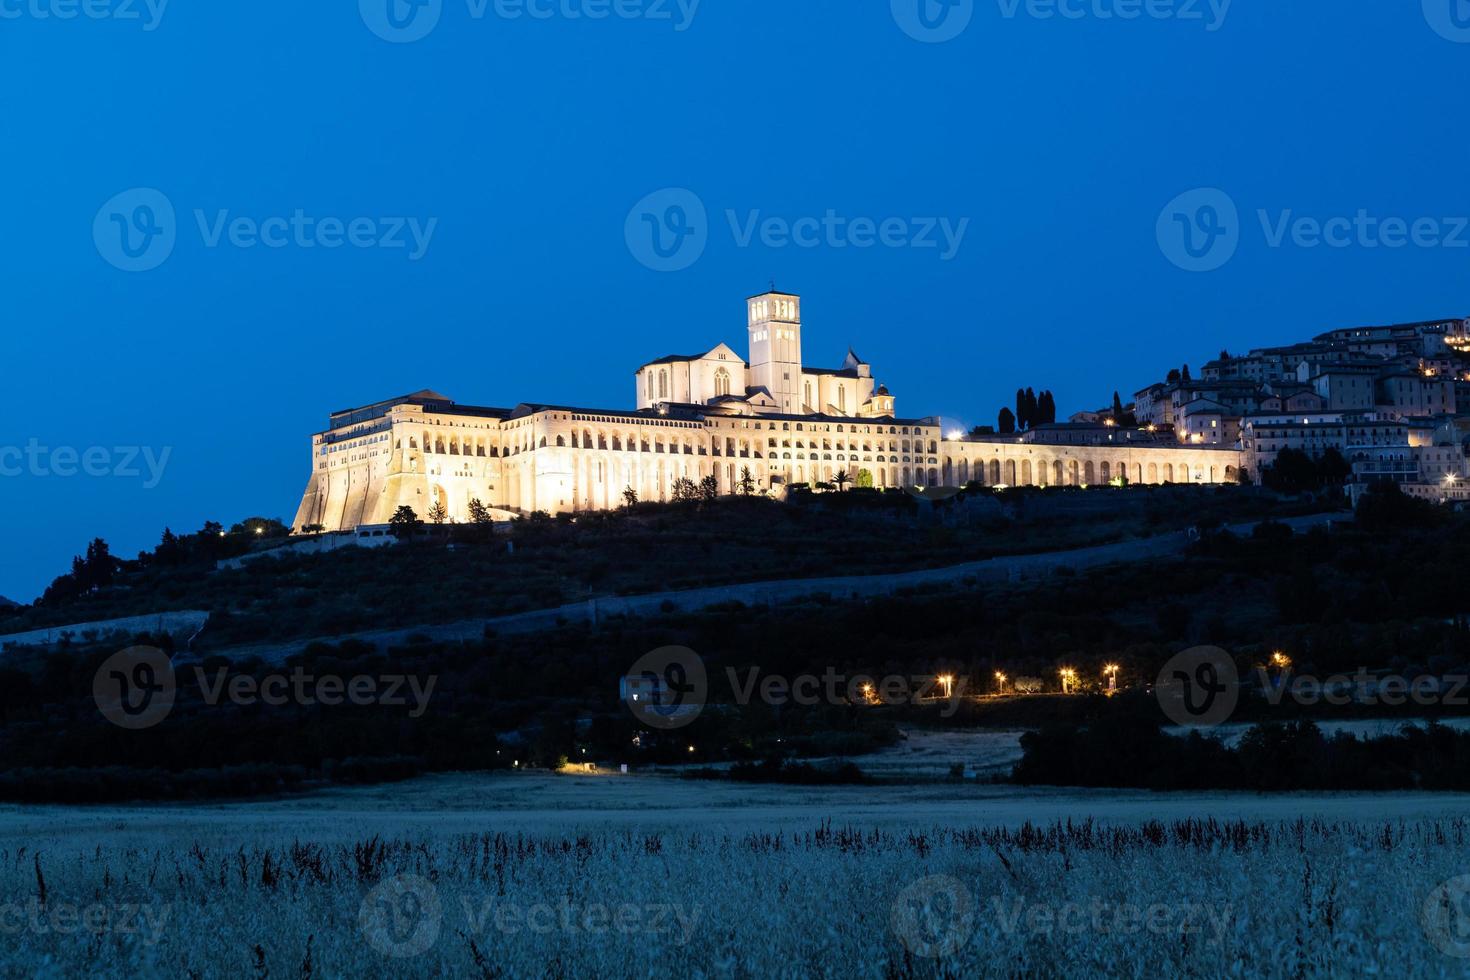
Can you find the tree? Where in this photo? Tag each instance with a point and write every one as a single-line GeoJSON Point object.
{"type": "Point", "coordinates": [438, 513]}
{"type": "Point", "coordinates": [842, 478]}
{"type": "Point", "coordinates": [1184, 374]}
{"type": "Point", "coordinates": [1332, 468]}
{"type": "Point", "coordinates": [261, 527]}
{"type": "Point", "coordinates": [404, 522]}
{"type": "Point", "coordinates": [1030, 417]}
{"type": "Point", "coordinates": [1021, 408]}
{"type": "Point", "coordinates": [1292, 472]}
{"type": "Point", "coordinates": [684, 490]}
{"type": "Point", "coordinates": [1046, 409]}
{"type": "Point", "coordinates": [1173, 376]}
{"type": "Point", "coordinates": [169, 550]}
{"type": "Point", "coordinates": [709, 488]}
{"type": "Point", "coordinates": [630, 497]}
{"type": "Point", "coordinates": [1117, 407]}
{"type": "Point", "coordinates": [1006, 422]}
{"type": "Point", "coordinates": [747, 481]}
{"type": "Point", "coordinates": [864, 479]}
{"type": "Point", "coordinates": [479, 513]}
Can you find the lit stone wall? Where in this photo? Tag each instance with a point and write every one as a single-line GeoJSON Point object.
{"type": "Point", "coordinates": [568, 461]}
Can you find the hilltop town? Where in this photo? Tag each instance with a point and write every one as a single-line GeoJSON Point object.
{"type": "Point", "coordinates": [1387, 399]}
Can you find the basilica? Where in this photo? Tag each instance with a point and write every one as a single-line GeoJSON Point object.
{"type": "Point", "coordinates": [758, 423]}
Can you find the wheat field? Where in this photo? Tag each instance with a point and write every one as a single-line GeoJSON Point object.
{"type": "Point", "coordinates": [1309, 897]}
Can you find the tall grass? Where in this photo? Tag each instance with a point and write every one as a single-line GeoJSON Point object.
{"type": "Point", "coordinates": [1295, 899]}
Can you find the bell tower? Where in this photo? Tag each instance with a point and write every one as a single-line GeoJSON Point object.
{"type": "Point", "coordinates": [774, 323]}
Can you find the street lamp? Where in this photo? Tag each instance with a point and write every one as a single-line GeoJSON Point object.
{"type": "Point", "coordinates": [1069, 680]}
{"type": "Point", "coordinates": [1000, 682]}
{"type": "Point", "coordinates": [946, 681]}
{"type": "Point", "coordinates": [1111, 672]}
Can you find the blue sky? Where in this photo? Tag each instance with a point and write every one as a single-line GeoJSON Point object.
{"type": "Point", "coordinates": [521, 143]}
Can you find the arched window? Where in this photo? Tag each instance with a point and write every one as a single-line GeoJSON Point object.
{"type": "Point", "coordinates": [722, 382]}
{"type": "Point", "coordinates": [663, 384]}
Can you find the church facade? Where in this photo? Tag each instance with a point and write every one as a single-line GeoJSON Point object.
{"type": "Point", "coordinates": [766, 421]}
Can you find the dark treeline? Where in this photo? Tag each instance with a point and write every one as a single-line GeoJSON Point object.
{"type": "Point", "coordinates": [1125, 750]}
{"type": "Point", "coordinates": [1383, 594]}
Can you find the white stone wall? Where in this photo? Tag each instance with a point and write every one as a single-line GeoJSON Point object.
{"type": "Point", "coordinates": [564, 461]}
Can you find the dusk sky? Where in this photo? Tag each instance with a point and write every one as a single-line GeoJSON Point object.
{"type": "Point", "coordinates": [517, 148]}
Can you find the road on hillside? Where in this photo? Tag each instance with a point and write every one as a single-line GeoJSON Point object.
{"type": "Point", "coordinates": [1017, 568]}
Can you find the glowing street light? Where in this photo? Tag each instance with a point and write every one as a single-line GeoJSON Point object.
{"type": "Point", "coordinates": [1069, 680]}
{"type": "Point", "coordinates": [1280, 660]}
{"type": "Point", "coordinates": [1000, 682]}
{"type": "Point", "coordinates": [946, 681]}
{"type": "Point", "coordinates": [1111, 672]}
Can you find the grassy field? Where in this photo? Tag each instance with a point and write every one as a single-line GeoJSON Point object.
{"type": "Point", "coordinates": [539, 875]}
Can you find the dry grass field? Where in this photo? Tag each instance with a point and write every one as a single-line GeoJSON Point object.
{"type": "Point", "coordinates": [610, 876]}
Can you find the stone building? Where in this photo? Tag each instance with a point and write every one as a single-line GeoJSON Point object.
{"type": "Point", "coordinates": [756, 425]}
